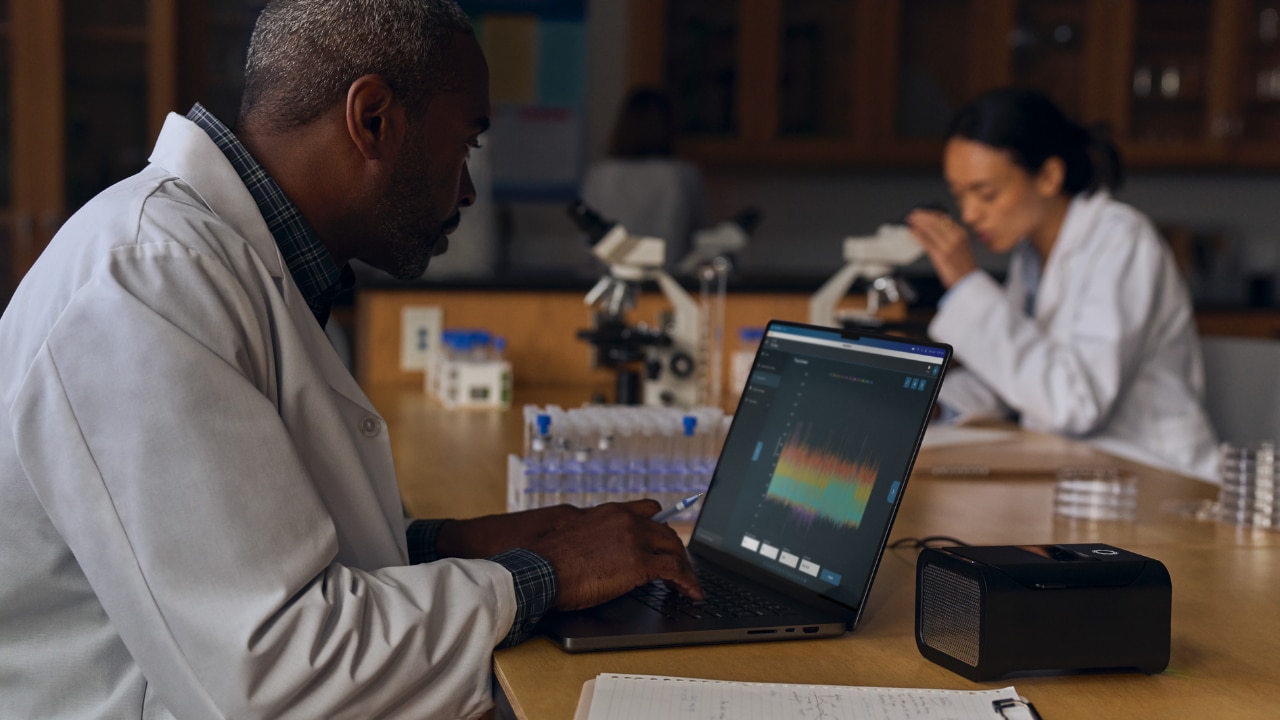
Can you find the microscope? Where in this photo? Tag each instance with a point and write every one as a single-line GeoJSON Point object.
{"type": "Point", "coordinates": [717, 245]}
{"type": "Point", "coordinates": [873, 258]}
{"type": "Point", "coordinates": [668, 355]}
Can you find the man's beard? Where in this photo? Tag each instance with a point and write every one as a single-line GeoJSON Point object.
{"type": "Point", "coordinates": [410, 253]}
{"type": "Point", "coordinates": [405, 223]}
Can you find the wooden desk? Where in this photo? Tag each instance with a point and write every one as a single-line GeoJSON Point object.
{"type": "Point", "coordinates": [1226, 618]}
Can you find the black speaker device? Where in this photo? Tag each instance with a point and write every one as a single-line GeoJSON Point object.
{"type": "Point", "coordinates": [985, 612]}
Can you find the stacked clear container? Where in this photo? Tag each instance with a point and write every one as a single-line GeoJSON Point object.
{"type": "Point", "coordinates": [609, 453]}
{"type": "Point", "coordinates": [471, 371]}
{"type": "Point", "coordinates": [1248, 492]}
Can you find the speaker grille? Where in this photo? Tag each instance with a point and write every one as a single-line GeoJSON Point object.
{"type": "Point", "coordinates": [951, 613]}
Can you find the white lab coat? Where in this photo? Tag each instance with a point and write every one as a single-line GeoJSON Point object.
{"type": "Point", "coordinates": [654, 197]}
{"type": "Point", "coordinates": [1111, 355]}
{"type": "Point", "coordinates": [198, 510]}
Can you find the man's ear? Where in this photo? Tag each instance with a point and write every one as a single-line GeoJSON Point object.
{"type": "Point", "coordinates": [1051, 176]}
{"type": "Point", "coordinates": [375, 118]}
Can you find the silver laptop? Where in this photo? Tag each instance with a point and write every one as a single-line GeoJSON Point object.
{"type": "Point", "coordinates": [803, 497]}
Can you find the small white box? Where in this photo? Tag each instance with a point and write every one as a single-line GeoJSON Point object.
{"type": "Point", "coordinates": [473, 383]}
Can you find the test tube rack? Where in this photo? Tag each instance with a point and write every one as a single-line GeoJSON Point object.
{"type": "Point", "coordinates": [613, 453]}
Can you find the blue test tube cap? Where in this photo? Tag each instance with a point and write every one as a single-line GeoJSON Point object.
{"type": "Point", "coordinates": [500, 343]}
{"type": "Point", "coordinates": [544, 423]}
{"type": "Point", "coordinates": [750, 334]}
{"type": "Point", "coordinates": [690, 424]}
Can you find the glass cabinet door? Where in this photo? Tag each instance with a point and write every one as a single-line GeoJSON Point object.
{"type": "Point", "coordinates": [933, 73]}
{"type": "Point", "coordinates": [1171, 103]}
{"type": "Point", "coordinates": [816, 69]}
{"type": "Point", "coordinates": [1257, 124]}
{"type": "Point", "coordinates": [1048, 51]}
{"type": "Point", "coordinates": [215, 38]}
{"type": "Point", "coordinates": [702, 51]}
{"type": "Point", "coordinates": [106, 94]}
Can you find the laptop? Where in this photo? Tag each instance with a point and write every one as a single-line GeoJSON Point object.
{"type": "Point", "coordinates": [798, 512]}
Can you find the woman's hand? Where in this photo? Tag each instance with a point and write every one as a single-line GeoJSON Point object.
{"type": "Point", "coordinates": [946, 242]}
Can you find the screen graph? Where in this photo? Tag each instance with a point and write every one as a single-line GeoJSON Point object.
{"type": "Point", "coordinates": [823, 478]}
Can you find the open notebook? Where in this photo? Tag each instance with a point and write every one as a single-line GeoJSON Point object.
{"type": "Point", "coordinates": [795, 520]}
{"type": "Point", "coordinates": [613, 696]}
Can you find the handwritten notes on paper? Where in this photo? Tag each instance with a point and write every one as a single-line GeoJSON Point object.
{"type": "Point", "coordinates": [649, 697]}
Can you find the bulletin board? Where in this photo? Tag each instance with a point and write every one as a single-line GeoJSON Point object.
{"type": "Point", "coordinates": [536, 51]}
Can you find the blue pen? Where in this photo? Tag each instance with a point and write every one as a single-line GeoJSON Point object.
{"type": "Point", "coordinates": [676, 509]}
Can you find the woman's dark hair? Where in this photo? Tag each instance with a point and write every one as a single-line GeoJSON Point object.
{"type": "Point", "coordinates": [646, 126]}
{"type": "Point", "coordinates": [1032, 129]}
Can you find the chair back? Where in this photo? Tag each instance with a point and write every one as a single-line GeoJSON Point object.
{"type": "Point", "coordinates": [1242, 391]}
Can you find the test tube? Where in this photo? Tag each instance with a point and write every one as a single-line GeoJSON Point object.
{"type": "Point", "coordinates": [577, 480]}
{"type": "Point", "coordinates": [536, 464]}
{"type": "Point", "coordinates": [687, 462]}
{"type": "Point", "coordinates": [597, 472]}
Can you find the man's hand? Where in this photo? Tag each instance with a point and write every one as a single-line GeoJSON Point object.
{"type": "Point", "coordinates": [946, 242]}
{"type": "Point", "coordinates": [491, 534]}
{"type": "Point", "coordinates": [610, 549]}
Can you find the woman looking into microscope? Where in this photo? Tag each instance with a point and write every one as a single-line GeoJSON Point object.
{"type": "Point", "coordinates": [1092, 335]}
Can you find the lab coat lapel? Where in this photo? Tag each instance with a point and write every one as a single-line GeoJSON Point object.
{"type": "Point", "coordinates": [188, 152]}
{"type": "Point", "coordinates": [1077, 227]}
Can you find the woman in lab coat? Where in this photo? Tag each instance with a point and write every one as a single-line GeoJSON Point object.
{"type": "Point", "coordinates": [1092, 335]}
{"type": "Point", "coordinates": [641, 184]}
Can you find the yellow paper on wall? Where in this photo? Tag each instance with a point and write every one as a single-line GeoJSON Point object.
{"type": "Point", "coordinates": [511, 47]}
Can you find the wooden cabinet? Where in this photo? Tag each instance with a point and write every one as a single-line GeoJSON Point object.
{"type": "Point", "coordinates": [1181, 83]}
{"type": "Point", "coordinates": [1254, 95]}
{"type": "Point", "coordinates": [84, 89]}
{"type": "Point", "coordinates": [760, 80]}
{"type": "Point", "coordinates": [6, 181]}
{"type": "Point", "coordinates": [88, 84]}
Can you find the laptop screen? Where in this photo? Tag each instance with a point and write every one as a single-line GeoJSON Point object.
{"type": "Point", "coordinates": [814, 464]}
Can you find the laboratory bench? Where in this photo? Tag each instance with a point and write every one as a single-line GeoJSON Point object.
{"type": "Point", "coordinates": [540, 318]}
{"type": "Point", "coordinates": [1225, 631]}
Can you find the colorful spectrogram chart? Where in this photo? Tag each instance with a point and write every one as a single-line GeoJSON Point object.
{"type": "Point", "coordinates": [822, 480]}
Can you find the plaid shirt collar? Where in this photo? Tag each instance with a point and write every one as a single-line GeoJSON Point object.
{"type": "Point", "coordinates": [319, 279]}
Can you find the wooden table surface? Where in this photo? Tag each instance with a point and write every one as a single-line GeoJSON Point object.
{"type": "Point", "coordinates": [1226, 579]}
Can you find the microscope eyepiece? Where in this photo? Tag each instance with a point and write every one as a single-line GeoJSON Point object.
{"type": "Point", "coordinates": [931, 205]}
{"type": "Point", "coordinates": [747, 219]}
{"type": "Point", "coordinates": [589, 221]}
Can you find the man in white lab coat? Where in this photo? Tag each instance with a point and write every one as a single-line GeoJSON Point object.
{"type": "Point", "coordinates": [198, 510]}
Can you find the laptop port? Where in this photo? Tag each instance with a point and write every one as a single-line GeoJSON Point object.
{"type": "Point", "coordinates": [811, 629]}
{"type": "Point", "coordinates": [761, 632]}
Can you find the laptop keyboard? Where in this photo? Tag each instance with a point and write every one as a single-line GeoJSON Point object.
{"type": "Point", "coordinates": [724, 599]}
